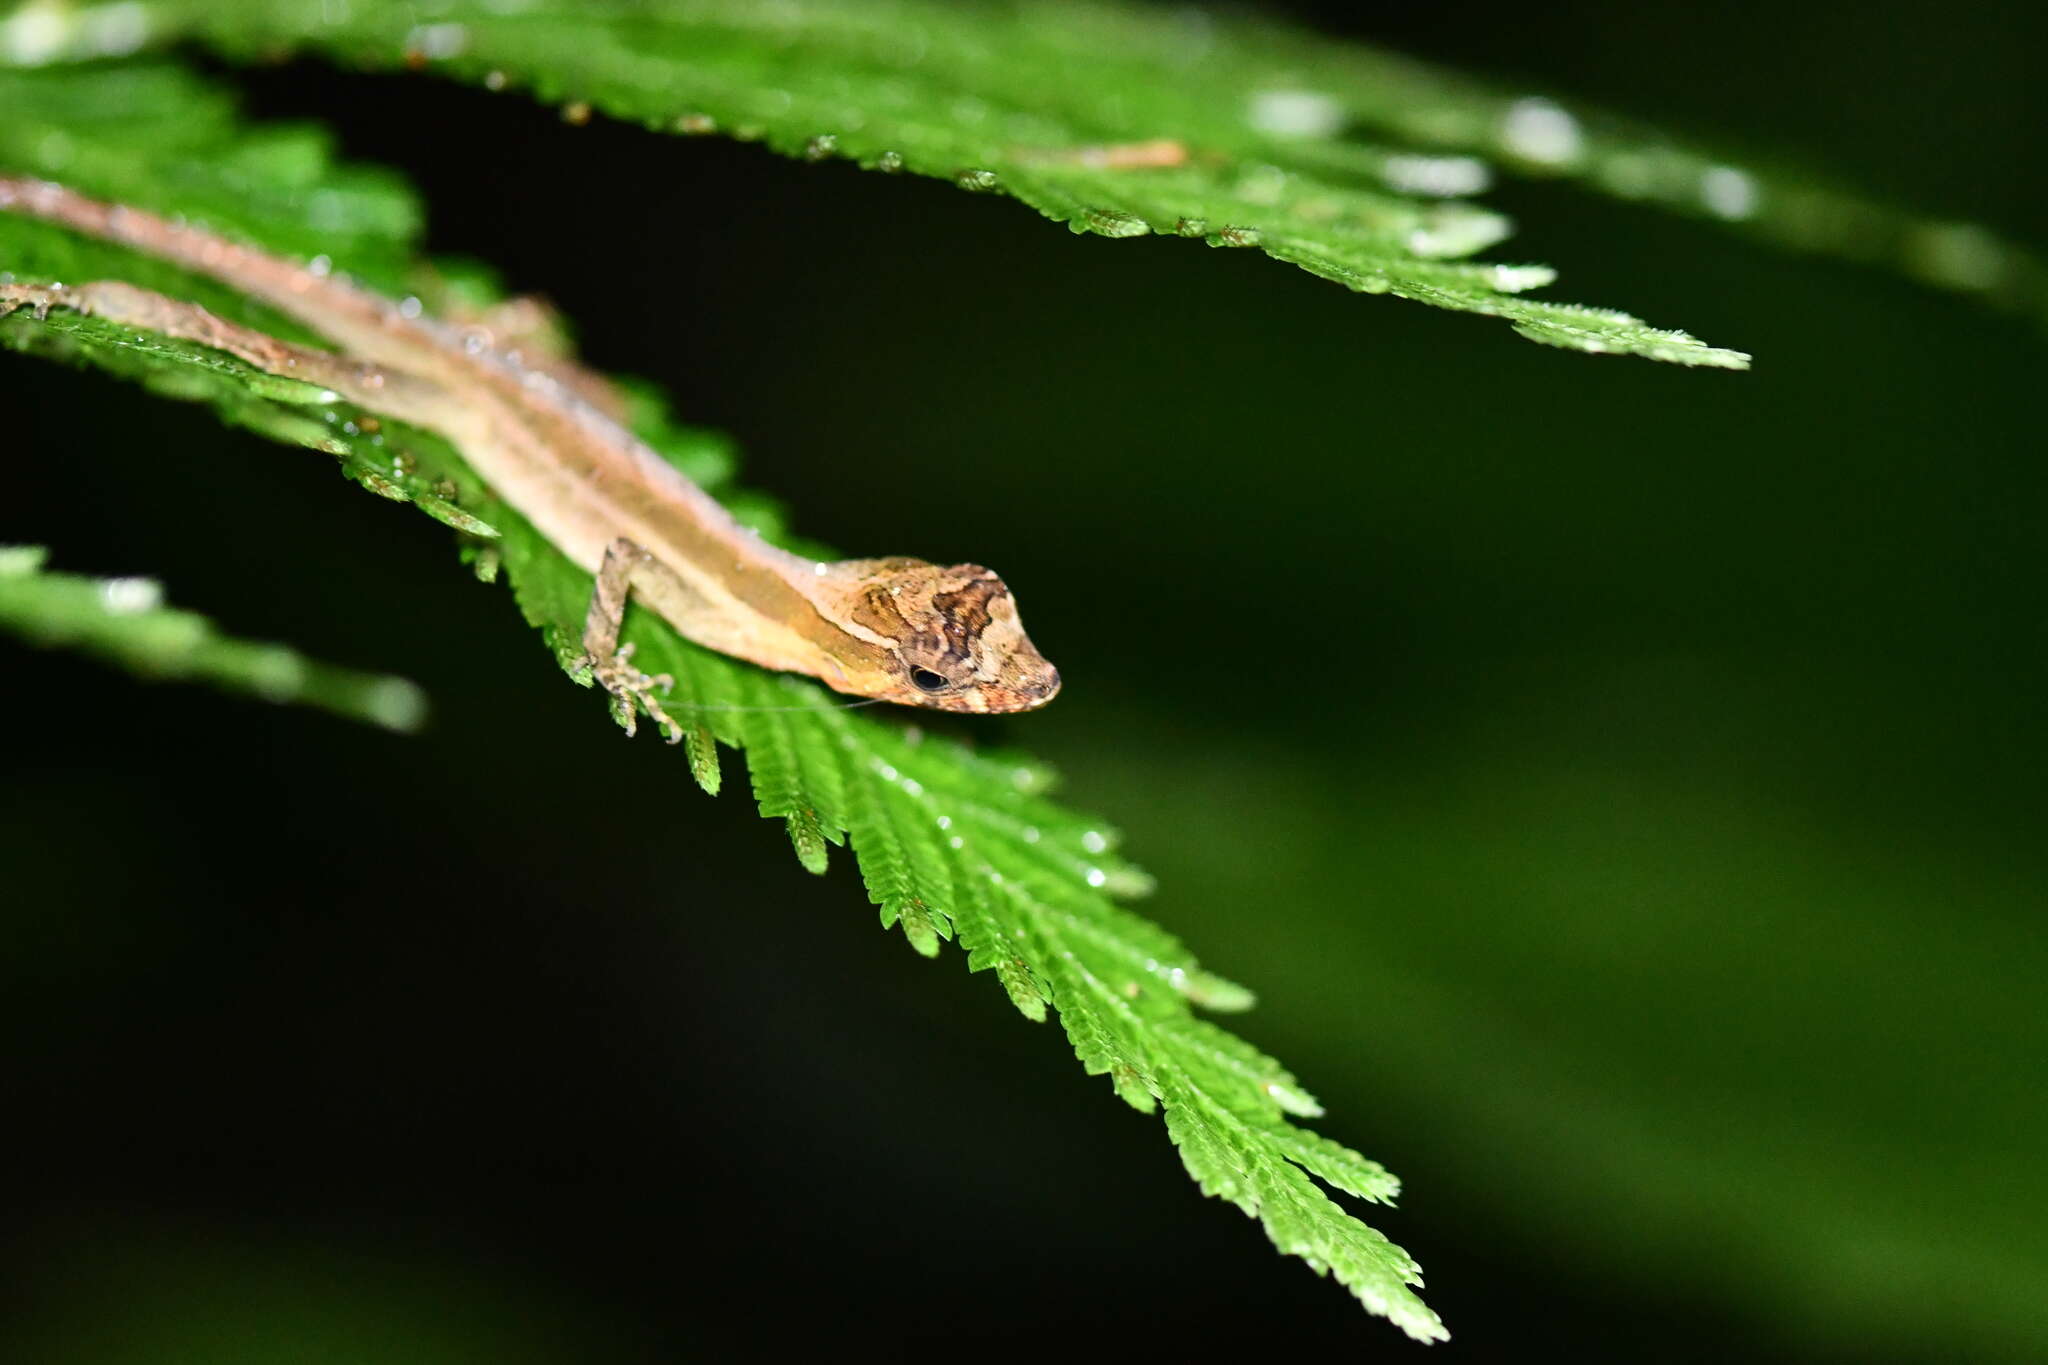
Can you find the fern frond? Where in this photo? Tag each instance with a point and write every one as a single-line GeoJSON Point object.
{"type": "Point", "coordinates": [1118, 120]}
{"type": "Point", "coordinates": [952, 843]}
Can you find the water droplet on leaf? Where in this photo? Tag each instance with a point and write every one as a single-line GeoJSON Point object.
{"type": "Point", "coordinates": [1295, 113]}
{"type": "Point", "coordinates": [1728, 193]}
{"type": "Point", "coordinates": [1537, 130]}
{"type": "Point", "coordinates": [1114, 223]}
{"type": "Point", "coordinates": [126, 596]}
{"type": "Point", "coordinates": [1443, 177]}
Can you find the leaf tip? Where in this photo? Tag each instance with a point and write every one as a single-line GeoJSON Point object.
{"type": "Point", "coordinates": [702, 751]}
{"type": "Point", "coordinates": [807, 835]}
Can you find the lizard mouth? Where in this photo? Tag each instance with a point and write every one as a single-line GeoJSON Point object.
{"type": "Point", "coordinates": [1027, 695]}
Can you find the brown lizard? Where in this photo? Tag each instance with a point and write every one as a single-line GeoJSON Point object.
{"type": "Point", "coordinates": [897, 630]}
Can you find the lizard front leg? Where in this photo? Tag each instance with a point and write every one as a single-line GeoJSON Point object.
{"type": "Point", "coordinates": [608, 661]}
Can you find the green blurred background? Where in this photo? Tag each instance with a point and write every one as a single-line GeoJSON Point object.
{"type": "Point", "coordinates": [1623, 784]}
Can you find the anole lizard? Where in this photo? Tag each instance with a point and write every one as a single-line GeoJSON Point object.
{"type": "Point", "coordinates": [898, 630]}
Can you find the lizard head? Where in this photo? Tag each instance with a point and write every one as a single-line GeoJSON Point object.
{"type": "Point", "coordinates": [950, 638]}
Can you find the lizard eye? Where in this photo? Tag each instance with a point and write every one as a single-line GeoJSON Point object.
{"type": "Point", "coordinates": [927, 681]}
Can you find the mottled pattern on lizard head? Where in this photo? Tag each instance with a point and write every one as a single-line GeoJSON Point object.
{"type": "Point", "coordinates": [953, 632]}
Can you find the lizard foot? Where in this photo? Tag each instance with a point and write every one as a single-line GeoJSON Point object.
{"type": "Point", "coordinates": [633, 691]}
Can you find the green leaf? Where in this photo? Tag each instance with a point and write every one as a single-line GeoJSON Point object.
{"type": "Point", "coordinates": [1352, 162]}
{"type": "Point", "coordinates": [950, 840]}
{"type": "Point", "coordinates": [1118, 120]}
{"type": "Point", "coordinates": [124, 621]}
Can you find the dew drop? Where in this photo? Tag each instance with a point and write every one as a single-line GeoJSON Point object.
{"type": "Point", "coordinates": [494, 81]}
{"type": "Point", "coordinates": [127, 596]}
{"type": "Point", "coordinates": [1513, 279]}
{"type": "Point", "coordinates": [1442, 177]}
{"type": "Point", "coordinates": [1456, 230]}
{"type": "Point", "coordinates": [821, 147]}
{"type": "Point", "coordinates": [696, 125]}
{"type": "Point", "coordinates": [1535, 129]}
{"type": "Point", "coordinates": [1114, 223]}
{"type": "Point", "coordinates": [395, 704]}
{"type": "Point", "coordinates": [576, 113]}
{"type": "Point", "coordinates": [1192, 227]}
{"type": "Point", "coordinates": [1295, 113]}
{"type": "Point", "coordinates": [1095, 841]}
{"type": "Point", "coordinates": [1728, 193]}
{"type": "Point", "coordinates": [977, 180]}
{"type": "Point", "coordinates": [889, 162]}
{"type": "Point", "coordinates": [1096, 876]}
{"type": "Point", "coordinates": [35, 34]}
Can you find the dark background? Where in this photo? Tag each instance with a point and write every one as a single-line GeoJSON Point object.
{"type": "Point", "coordinates": [1623, 784]}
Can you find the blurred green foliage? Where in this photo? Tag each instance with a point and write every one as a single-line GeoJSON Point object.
{"type": "Point", "coordinates": [124, 621]}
